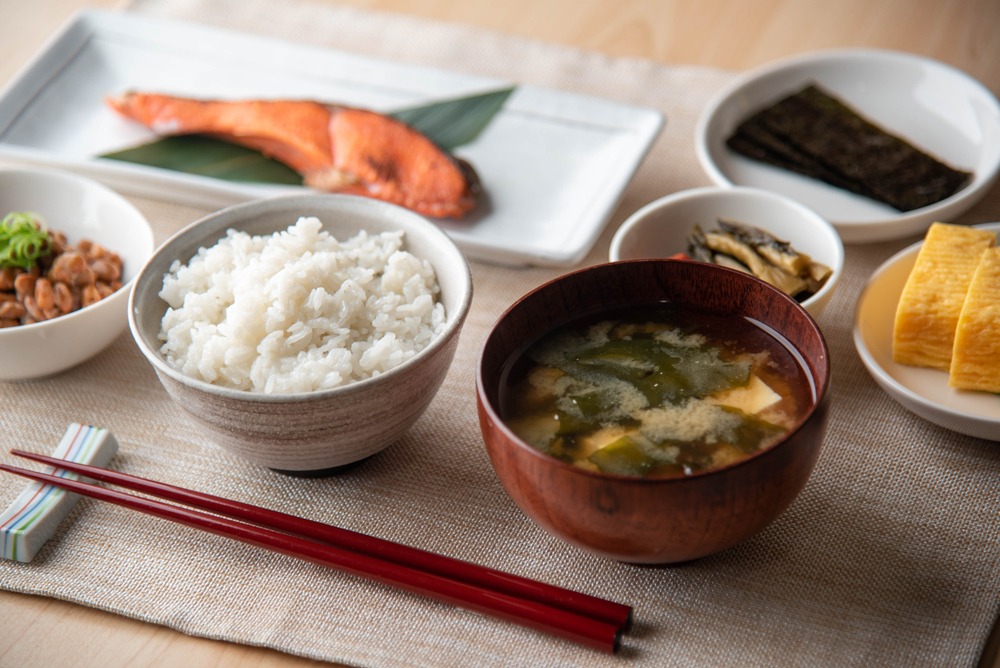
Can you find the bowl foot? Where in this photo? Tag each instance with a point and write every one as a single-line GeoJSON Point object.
{"type": "Point", "coordinates": [321, 473]}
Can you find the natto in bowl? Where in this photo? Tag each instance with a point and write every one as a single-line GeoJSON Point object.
{"type": "Point", "coordinates": [82, 209]}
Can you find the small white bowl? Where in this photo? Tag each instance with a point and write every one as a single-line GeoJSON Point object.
{"type": "Point", "coordinates": [661, 228]}
{"type": "Point", "coordinates": [936, 107]}
{"type": "Point", "coordinates": [81, 209]}
{"type": "Point", "coordinates": [309, 433]}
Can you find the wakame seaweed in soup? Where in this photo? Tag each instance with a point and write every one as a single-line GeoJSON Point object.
{"type": "Point", "coordinates": [656, 391]}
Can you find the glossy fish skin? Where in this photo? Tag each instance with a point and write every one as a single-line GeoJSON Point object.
{"type": "Point", "coordinates": [335, 148]}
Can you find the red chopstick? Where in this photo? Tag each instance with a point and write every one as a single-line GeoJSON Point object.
{"type": "Point", "coordinates": [507, 596]}
{"type": "Point", "coordinates": [572, 601]}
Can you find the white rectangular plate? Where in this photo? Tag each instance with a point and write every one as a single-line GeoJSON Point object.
{"type": "Point", "coordinates": [553, 164]}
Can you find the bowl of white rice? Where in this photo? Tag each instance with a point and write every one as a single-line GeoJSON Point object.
{"type": "Point", "coordinates": [304, 333]}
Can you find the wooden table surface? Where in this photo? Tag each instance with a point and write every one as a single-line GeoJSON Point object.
{"type": "Point", "coordinates": [732, 34]}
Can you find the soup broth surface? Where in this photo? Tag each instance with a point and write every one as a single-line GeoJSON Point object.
{"type": "Point", "coordinates": [658, 391]}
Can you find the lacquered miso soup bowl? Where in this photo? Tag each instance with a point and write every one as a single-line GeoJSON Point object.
{"type": "Point", "coordinates": [670, 518]}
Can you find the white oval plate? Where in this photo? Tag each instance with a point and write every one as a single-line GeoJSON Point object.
{"type": "Point", "coordinates": [939, 109]}
{"type": "Point", "coordinates": [925, 392]}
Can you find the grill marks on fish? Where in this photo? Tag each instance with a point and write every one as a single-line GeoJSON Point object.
{"type": "Point", "coordinates": [335, 148]}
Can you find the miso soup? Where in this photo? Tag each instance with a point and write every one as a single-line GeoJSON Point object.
{"type": "Point", "coordinates": [656, 391]}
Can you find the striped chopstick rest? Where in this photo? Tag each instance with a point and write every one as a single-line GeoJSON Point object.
{"type": "Point", "coordinates": [35, 515]}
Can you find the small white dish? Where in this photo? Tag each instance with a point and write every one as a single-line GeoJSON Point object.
{"type": "Point", "coordinates": [661, 228]}
{"type": "Point", "coordinates": [81, 209]}
{"type": "Point", "coordinates": [924, 392]}
{"type": "Point", "coordinates": [939, 109]}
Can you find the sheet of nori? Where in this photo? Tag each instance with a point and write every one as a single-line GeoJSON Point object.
{"type": "Point", "coordinates": [755, 141]}
{"type": "Point", "coordinates": [815, 134]}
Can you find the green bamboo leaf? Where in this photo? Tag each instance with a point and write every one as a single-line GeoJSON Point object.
{"type": "Point", "coordinates": [206, 156]}
{"type": "Point", "coordinates": [453, 123]}
{"type": "Point", "coordinates": [448, 123]}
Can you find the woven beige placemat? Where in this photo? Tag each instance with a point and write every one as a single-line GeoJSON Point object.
{"type": "Point", "coordinates": [890, 556]}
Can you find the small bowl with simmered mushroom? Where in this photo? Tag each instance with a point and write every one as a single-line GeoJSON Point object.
{"type": "Point", "coordinates": [759, 232]}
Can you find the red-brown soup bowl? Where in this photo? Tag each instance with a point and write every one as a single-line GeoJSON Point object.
{"type": "Point", "coordinates": [664, 519]}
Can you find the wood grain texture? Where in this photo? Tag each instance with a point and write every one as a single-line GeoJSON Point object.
{"type": "Point", "coordinates": [647, 520]}
{"type": "Point", "coordinates": [729, 34]}
{"type": "Point", "coordinates": [737, 35]}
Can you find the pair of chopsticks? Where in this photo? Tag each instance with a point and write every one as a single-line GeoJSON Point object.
{"type": "Point", "coordinates": [578, 617]}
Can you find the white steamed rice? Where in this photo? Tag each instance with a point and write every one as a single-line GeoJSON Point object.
{"type": "Point", "coordinates": [298, 310]}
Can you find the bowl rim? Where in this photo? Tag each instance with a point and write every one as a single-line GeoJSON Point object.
{"type": "Point", "coordinates": [144, 229]}
{"type": "Point", "coordinates": [739, 192]}
{"type": "Point", "coordinates": [822, 387]}
{"type": "Point", "coordinates": [292, 203]}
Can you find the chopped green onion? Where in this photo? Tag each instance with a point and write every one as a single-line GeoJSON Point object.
{"type": "Point", "coordinates": [23, 240]}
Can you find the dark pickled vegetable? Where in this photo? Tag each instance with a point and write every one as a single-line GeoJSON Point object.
{"type": "Point", "coordinates": [758, 252]}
